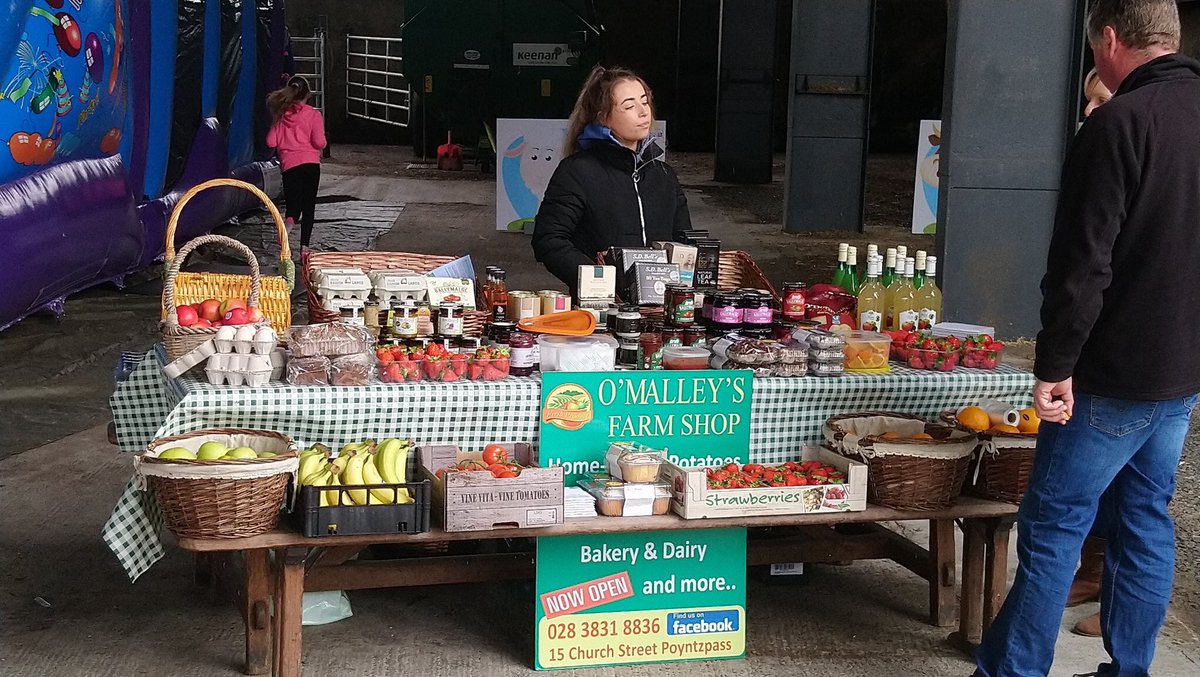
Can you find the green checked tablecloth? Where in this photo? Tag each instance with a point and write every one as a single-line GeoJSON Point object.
{"type": "Point", "coordinates": [786, 414]}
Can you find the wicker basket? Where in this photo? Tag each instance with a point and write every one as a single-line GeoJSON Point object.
{"type": "Point", "coordinates": [179, 340]}
{"type": "Point", "coordinates": [474, 322]}
{"type": "Point", "coordinates": [1003, 464]}
{"type": "Point", "coordinates": [220, 499]}
{"type": "Point", "coordinates": [275, 292]}
{"type": "Point", "coordinates": [737, 270]}
{"type": "Point", "coordinates": [904, 474]}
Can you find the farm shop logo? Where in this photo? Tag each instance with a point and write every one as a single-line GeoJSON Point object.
{"type": "Point", "coordinates": [544, 54]}
{"type": "Point", "coordinates": [568, 407]}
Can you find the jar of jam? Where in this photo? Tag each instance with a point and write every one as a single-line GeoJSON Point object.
{"type": "Point", "coordinates": [426, 322]}
{"type": "Point", "coordinates": [500, 331]}
{"type": "Point", "coordinates": [628, 353]}
{"type": "Point", "coordinates": [450, 319]}
{"type": "Point", "coordinates": [756, 311]}
{"type": "Point", "coordinates": [696, 337]}
{"type": "Point", "coordinates": [405, 322]}
{"type": "Point", "coordinates": [628, 321]}
{"type": "Point", "coordinates": [680, 305]}
{"type": "Point", "coordinates": [706, 308]}
{"type": "Point", "coordinates": [650, 347]}
{"type": "Point", "coordinates": [520, 353]}
{"type": "Point", "coordinates": [782, 330]}
{"type": "Point", "coordinates": [672, 336]}
{"type": "Point", "coordinates": [727, 311]}
{"type": "Point", "coordinates": [795, 300]}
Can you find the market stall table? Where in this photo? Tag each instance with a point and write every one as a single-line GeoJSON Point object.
{"type": "Point", "coordinates": [317, 564]}
{"type": "Point", "coordinates": [786, 414]}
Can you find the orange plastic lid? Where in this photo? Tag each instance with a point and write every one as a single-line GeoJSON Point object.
{"type": "Point", "coordinates": [570, 323]}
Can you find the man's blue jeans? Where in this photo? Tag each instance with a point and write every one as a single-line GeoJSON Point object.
{"type": "Point", "coordinates": [1118, 457]}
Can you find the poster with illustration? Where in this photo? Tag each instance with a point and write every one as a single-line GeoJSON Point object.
{"type": "Point", "coordinates": [925, 191]}
{"type": "Point", "coordinates": [527, 152]}
{"type": "Point", "coordinates": [62, 90]}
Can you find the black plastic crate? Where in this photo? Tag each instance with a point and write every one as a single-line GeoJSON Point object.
{"type": "Point", "coordinates": [315, 520]}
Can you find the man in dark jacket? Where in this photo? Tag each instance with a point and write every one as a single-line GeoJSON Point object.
{"type": "Point", "coordinates": [1117, 369]}
{"type": "Point", "coordinates": [606, 195]}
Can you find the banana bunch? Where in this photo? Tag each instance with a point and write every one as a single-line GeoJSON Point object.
{"type": "Point", "coordinates": [360, 464]}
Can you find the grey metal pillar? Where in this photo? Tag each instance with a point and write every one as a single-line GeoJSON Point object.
{"type": "Point", "coordinates": [827, 118]}
{"type": "Point", "coordinates": [744, 89]}
{"type": "Point", "coordinates": [1010, 107]}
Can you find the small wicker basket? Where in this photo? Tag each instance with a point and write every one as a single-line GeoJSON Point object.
{"type": "Point", "coordinates": [220, 499]}
{"type": "Point", "coordinates": [905, 474]}
{"type": "Point", "coordinates": [474, 322]}
{"type": "Point", "coordinates": [1003, 464]}
{"type": "Point", "coordinates": [275, 292]}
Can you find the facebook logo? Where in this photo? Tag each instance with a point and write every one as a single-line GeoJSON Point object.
{"type": "Point", "coordinates": [703, 622]}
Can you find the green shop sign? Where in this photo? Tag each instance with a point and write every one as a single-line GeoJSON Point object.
{"type": "Point", "coordinates": [644, 597]}
{"type": "Point", "coordinates": [701, 417]}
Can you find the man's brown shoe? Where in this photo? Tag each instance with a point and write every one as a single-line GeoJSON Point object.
{"type": "Point", "coordinates": [1088, 627]}
{"type": "Point", "coordinates": [1086, 586]}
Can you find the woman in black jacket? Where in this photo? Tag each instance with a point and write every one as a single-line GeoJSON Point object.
{"type": "Point", "coordinates": [612, 188]}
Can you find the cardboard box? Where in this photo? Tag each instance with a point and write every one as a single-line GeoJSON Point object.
{"type": "Point", "coordinates": [597, 283]}
{"type": "Point", "coordinates": [476, 501]}
{"type": "Point", "coordinates": [682, 255]}
{"type": "Point", "coordinates": [692, 499]}
{"type": "Point", "coordinates": [650, 282]}
{"type": "Point", "coordinates": [459, 290]}
{"type": "Point", "coordinates": [626, 259]}
{"type": "Point", "coordinates": [708, 263]}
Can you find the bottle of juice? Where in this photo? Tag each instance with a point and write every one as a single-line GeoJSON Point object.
{"type": "Point", "coordinates": [839, 275]}
{"type": "Point", "coordinates": [929, 298]}
{"type": "Point", "coordinates": [892, 287]}
{"type": "Point", "coordinates": [919, 271]}
{"type": "Point", "coordinates": [904, 300]}
{"type": "Point", "coordinates": [852, 282]}
{"type": "Point", "coordinates": [889, 268]}
{"type": "Point", "coordinates": [872, 298]}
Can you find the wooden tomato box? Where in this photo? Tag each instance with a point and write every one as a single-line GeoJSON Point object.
{"type": "Point", "coordinates": [692, 499]}
{"type": "Point", "coordinates": [476, 501]}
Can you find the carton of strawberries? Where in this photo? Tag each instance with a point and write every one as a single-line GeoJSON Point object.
{"type": "Point", "coordinates": [982, 352]}
{"type": "Point", "coordinates": [436, 362]}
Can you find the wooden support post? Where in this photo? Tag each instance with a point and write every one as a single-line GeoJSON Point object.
{"type": "Point", "coordinates": [256, 611]}
{"type": "Point", "coordinates": [943, 588]}
{"type": "Point", "coordinates": [289, 609]}
{"type": "Point", "coordinates": [970, 618]}
{"type": "Point", "coordinates": [995, 582]}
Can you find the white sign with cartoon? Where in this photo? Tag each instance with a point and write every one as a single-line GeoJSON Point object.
{"type": "Point", "coordinates": [925, 189]}
{"type": "Point", "coordinates": [527, 153]}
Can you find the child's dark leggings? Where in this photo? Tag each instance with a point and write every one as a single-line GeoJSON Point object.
{"type": "Point", "coordinates": [300, 191]}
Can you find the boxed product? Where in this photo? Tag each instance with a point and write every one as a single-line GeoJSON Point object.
{"type": "Point", "coordinates": [399, 285]}
{"type": "Point", "coordinates": [633, 462]}
{"type": "Point", "coordinates": [682, 255]}
{"type": "Point", "coordinates": [597, 283]}
{"type": "Point", "coordinates": [451, 289]}
{"type": "Point", "coordinates": [699, 492]}
{"type": "Point", "coordinates": [478, 501]}
{"type": "Point", "coordinates": [708, 262]}
{"type": "Point", "coordinates": [621, 499]}
{"type": "Point", "coordinates": [626, 257]}
{"type": "Point", "coordinates": [650, 280]}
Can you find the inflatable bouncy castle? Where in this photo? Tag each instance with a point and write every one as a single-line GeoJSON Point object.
{"type": "Point", "coordinates": [109, 111]}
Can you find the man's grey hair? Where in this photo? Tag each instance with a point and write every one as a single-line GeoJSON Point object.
{"type": "Point", "coordinates": [1139, 24]}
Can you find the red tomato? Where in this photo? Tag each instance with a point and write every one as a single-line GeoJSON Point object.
{"type": "Point", "coordinates": [495, 453]}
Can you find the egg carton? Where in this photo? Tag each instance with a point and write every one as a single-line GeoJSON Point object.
{"type": "Point", "coordinates": [393, 285]}
{"type": "Point", "coordinates": [322, 275]}
{"type": "Point", "coordinates": [278, 363]}
{"type": "Point", "coordinates": [191, 359]}
{"type": "Point", "coordinates": [245, 340]}
{"type": "Point", "coordinates": [236, 369]}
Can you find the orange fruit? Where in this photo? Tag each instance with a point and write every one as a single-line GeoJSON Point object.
{"type": "Point", "coordinates": [1004, 428]}
{"type": "Point", "coordinates": [974, 418]}
{"type": "Point", "coordinates": [1029, 421]}
{"type": "Point", "coordinates": [921, 436]}
{"type": "Point", "coordinates": [889, 436]}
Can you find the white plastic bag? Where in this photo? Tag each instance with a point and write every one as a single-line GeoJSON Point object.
{"type": "Point", "coordinates": [321, 608]}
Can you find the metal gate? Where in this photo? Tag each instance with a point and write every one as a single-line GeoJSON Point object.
{"type": "Point", "coordinates": [309, 55]}
{"type": "Point", "coordinates": [376, 88]}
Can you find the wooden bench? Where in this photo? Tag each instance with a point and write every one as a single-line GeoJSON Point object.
{"type": "Point", "coordinates": [316, 564]}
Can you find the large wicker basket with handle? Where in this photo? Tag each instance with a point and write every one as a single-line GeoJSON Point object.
{"type": "Point", "coordinates": [474, 322]}
{"type": "Point", "coordinates": [275, 292]}
{"type": "Point", "coordinates": [180, 340]}
{"type": "Point", "coordinates": [220, 499]}
{"type": "Point", "coordinates": [1004, 464]}
{"type": "Point", "coordinates": [904, 473]}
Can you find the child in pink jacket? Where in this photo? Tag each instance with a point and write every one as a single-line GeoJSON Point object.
{"type": "Point", "coordinates": [298, 135]}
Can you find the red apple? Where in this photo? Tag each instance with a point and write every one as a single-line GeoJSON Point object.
{"type": "Point", "coordinates": [218, 323]}
{"type": "Point", "coordinates": [230, 304]}
{"type": "Point", "coordinates": [255, 315]}
{"type": "Point", "coordinates": [210, 309]}
{"type": "Point", "coordinates": [236, 316]}
{"type": "Point", "coordinates": [187, 316]}
{"type": "Point", "coordinates": [201, 322]}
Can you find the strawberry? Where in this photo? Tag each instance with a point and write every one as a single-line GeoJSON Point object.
{"type": "Point", "coordinates": [476, 371]}
{"type": "Point", "coordinates": [392, 373]}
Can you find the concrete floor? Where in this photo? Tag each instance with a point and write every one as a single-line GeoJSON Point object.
{"type": "Point", "coordinates": [59, 479]}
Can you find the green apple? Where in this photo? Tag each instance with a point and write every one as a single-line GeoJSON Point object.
{"type": "Point", "coordinates": [177, 454]}
{"type": "Point", "coordinates": [240, 453]}
{"type": "Point", "coordinates": [211, 451]}
{"type": "Point", "coordinates": [267, 454]}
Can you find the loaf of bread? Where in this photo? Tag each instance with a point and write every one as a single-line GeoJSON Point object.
{"type": "Point", "coordinates": [329, 339]}
{"type": "Point", "coordinates": [308, 371]}
{"type": "Point", "coordinates": [352, 370]}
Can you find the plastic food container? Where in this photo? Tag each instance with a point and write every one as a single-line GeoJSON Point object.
{"type": "Point", "coordinates": [826, 368]}
{"type": "Point", "coordinates": [934, 360]}
{"type": "Point", "coordinates": [447, 370]}
{"type": "Point", "coordinates": [794, 353]}
{"type": "Point", "coordinates": [639, 467]}
{"type": "Point", "coordinates": [790, 369]}
{"type": "Point", "coordinates": [611, 497]}
{"type": "Point", "coordinates": [980, 358]}
{"type": "Point", "coordinates": [867, 351]}
{"type": "Point", "coordinates": [407, 371]}
{"type": "Point", "coordinates": [818, 338]}
{"type": "Point", "coordinates": [488, 369]}
{"type": "Point", "coordinates": [685, 357]}
{"type": "Point", "coordinates": [827, 355]}
{"type": "Point", "coordinates": [753, 352]}
{"type": "Point", "coordinates": [578, 353]}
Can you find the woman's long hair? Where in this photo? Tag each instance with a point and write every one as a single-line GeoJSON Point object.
{"type": "Point", "coordinates": [281, 100]}
{"type": "Point", "coordinates": [595, 98]}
